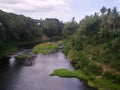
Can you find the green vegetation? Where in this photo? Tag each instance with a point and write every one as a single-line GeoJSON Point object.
{"type": "Point", "coordinates": [105, 84]}
{"type": "Point", "coordinates": [18, 29]}
{"type": "Point", "coordinates": [67, 73]}
{"type": "Point", "coordinates": [93, 45]}
{"type": "Point", "coordinates": [52, 28]}
{"type": "Point", "coordinates": [45, 48]}
{"type": "Point", "coordinates": [71, 74]}
{"type": "Point", "coordinates": [7, 49]}
{"type": "Point", "coordinates": [94, 49]}
{"type": "Point", "coordinates": [22, 56]}
{"type": "Point", "coordinates": [11, 47]}
{"type": "Point", "coordinates": [70, 28]}
{"type": "Point", "coordinates": [94, 70]}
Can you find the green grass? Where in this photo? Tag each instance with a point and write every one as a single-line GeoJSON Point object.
{"type": "Point", "coordinates": [93, 71]}
{"type": "Point", "coordinates": [22, 56]}
{"type": "Point", "coordinates": [99, 83]}
{"type": "Point", "coordinates": [72, 74]}
{"type": "Point", "coordinates": [105, 84]}
{"type": "Point", "coordinates": [45, 48]}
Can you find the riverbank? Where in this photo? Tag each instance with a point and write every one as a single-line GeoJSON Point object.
{"type": "Point", "coordinates": [99, 75]}
{"type": "Point", "coordinates": [15, 75]}
{"type": "Point", "coordinates": [65, 73]}
{"type": "Point", "coordinates": [12, 47]}
{"type": "Point", "coordinates": [90, 72]}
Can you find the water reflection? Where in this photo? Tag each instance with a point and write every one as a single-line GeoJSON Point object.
{"type": "Point", "coordinates": [17, 76]}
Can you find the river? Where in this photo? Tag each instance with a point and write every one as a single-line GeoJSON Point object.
{"type": "Point", "coordinates": [17, 76]}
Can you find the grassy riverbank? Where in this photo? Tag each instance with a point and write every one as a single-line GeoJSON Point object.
{"type": "Point", "coordinates": [45, 48]}
{"type": "Point", "coordinates": [72, 74]}
{"type": "Point", "coordinates": [15, 46]}
{"type": "Point", "coordinates": [87, 67]}
{"type": "Point", "coordinates": [22, 56]}
{"type": "Point", "coordinates": [101, 83]}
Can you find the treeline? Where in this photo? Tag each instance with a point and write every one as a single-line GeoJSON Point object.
{"type": "Point", "coordinates": [100, 29]}
{"type": "Point", "coordinates": [94, 48]}
{"type": "Point", "coordinates": [18, 29]}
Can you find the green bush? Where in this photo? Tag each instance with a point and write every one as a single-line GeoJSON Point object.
{"type": "Point", "coordinates": [79, 59]}
{"type": "Point", "coordinates": [112, 77]}
{"type": "Point", "coordinates": [45, 48]}
{"type": "Point", "coordinates": [22, 56]}
{"type": "Point", "coordinates": [94, 69]}
{"type": "Point", "coordinates": [115, 45]}
{"type": "Point", "coordinates": [67, 47]}
{"type": "Point", "coordinates": [71, 74]}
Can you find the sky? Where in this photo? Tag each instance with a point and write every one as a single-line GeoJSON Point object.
{"type": "Point", "coordinates": [61, 9]}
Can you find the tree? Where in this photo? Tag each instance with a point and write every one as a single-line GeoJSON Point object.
{"type": "Point", "coordinates": [2, 35]}
{"type": "Point", "coordinates": [70, 28]}
{"type": "Point", "coordinates": [103, 10]}
{"type": "Point", "coordinates": [114, 17]}
{"type": "Point", "coordinates": [52, 28]}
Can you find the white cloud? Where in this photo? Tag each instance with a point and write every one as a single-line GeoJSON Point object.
{"type": "Point", "coordinates": [41, 7]}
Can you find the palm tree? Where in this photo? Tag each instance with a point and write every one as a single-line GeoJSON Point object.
{"type": "Point", "coordinates": [115, 15]}
{"type": "Point", "coordinates": [109, 22]}
{"type": "Point", "coordinates": [103, 10]}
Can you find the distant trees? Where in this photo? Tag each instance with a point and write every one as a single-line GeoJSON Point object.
{"type": "Point", "coordinates": [104, 27]}
{"type": "Point", "coordinates": [90, 25]}
{"type": "Point", "coordinates": [103, 10]}
{"type": "Point", "coordinates": [95, 29]}
{"type": "Point", "coordinates": [70, 28]}
{"type": "Point", "coordinates": [2, 35]}
{"type": "Point", "coordinates": [23, 29]}
{"type": "Point", "coordinates": [52, 27]}
{"type": "Point", "coordinates": [111, 24]}
{"type": "Point", "coordinates": [18, 27]}
{"type": "Point", "coordinates": [101, 31]}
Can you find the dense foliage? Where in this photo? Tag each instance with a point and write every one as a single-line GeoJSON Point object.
{"type": "Point", "coordinates": [18, 29]}
{"type": "Point", "coordinates": [52, 28]}
{"type": "Point", "coordinates": [95, 48]}
{"type": "Point", "coordinates": [93, 45]}
{"type": "Point", "coordinates": [70, 28]}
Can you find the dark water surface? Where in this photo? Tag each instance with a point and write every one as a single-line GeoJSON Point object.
{"type": "Point", "coordinates": [16, 76]}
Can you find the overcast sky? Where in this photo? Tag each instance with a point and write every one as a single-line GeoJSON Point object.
{"type": "Point", "coordinates": [61, 9]}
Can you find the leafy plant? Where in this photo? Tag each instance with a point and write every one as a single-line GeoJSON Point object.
{"type": "Point", "coordinates": [45, 48]}
{"type": "Point", "coordinates": [22, 56]}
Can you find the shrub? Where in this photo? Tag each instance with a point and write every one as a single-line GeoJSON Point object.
{"type": "Point", "coordinates": [71, 74]}
{"type": "Point", "coordinates": [22, 56]}
{"type": "Point", "coordinates": [45, 48]}
{"type": "Point", "coordinates": [95, 69]}
{"type": "Point", "coordinates": [112, 77]}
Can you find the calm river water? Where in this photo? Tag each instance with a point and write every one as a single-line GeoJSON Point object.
{"type": "Point", "coordinates": [18, 76]}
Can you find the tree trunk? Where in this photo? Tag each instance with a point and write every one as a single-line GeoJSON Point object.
{"type": "Point", "coordinates": [114, 30]}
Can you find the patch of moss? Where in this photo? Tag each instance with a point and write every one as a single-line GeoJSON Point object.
{"type": "Point", "coordinates": [45, 48]}
{"type": "Point", "coordinates": [91, 84]}
{"type": "Point", "coordinates": [22, 56]}
{"type": "Point", "coordinates": [72, 74]}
